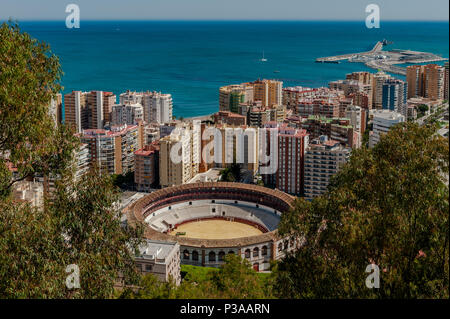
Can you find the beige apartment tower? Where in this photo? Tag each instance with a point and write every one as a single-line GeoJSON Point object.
{"type": "Point", "coordinates": [76, 111]}
{"type": "Point", "coordinates": [426, 81]}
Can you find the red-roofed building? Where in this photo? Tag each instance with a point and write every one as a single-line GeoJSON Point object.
{"type": "Point", "coordinates": [225, 117]}
{"type": "Point", "coordinates": [292, 143]}
{"type": "Point", "coordinates": [112, 151]}
{"type": "Point", "coordinates": [146, 172]}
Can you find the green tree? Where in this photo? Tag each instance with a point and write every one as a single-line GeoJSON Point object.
{"type": "Point", "coordinates": [237, 280]}
{"type": "Point", "coordinates": [150, 288]}
{"type": "Point", "coordinates": [122, 180]}
{"type": "Point", "coordinates": [388, 206]}
{"type": "Point", "coordinates": [234, 279]}
{"type": "Point", "coordinates": [86, 213]}
{"type": "Point", "coordinates": [30, 255]}
{"type": "Point", "coordinates": [80, 223]}
{"type": "Point", "coordinates": [422, 109]}
{"type": "Point", "coordinates": [231, 174]}
{"type": "Point", "coordinates": [29, 78]}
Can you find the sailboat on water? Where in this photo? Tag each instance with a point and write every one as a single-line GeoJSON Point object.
{"type": "Point", "coordinates": [263, 59]}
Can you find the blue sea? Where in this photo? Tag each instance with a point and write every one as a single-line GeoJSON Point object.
{"type": "Point", "coordinates": [192, 59]}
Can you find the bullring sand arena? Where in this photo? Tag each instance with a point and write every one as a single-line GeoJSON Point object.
{"type": "Point", "coordinates": [216, 229]}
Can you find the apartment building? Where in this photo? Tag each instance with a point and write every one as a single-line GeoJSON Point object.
{"type": "Point", "coordinates": [434, 78]}
{"type": "Point", "coordinates": [292, 144]}
{"type": "Point", "coordinates": [362, 99]}
{"type": "Point", "coordinates": [383, 120]}
{"type": "Point", "coordinates": [267, 92]}
{"type": "Point", "coordinates": [378, 81]}
{"type": "Point", "coordinates": [236, 144]}
{"type": "Point", "coordinates": [339, 129]}
{"type": "Point", "coordinates": [158, 107]}
{"type": "Point", "coordinates": [414, 78]}
{"type": "Point", "coordinates": [76, 111]}
{"type": "Point", "coordinates": [426, 81]}
{"type": "Point", "coordinates": [160, 258]}
{"type": "Point", "coordinates": [175, 160]}
{"type": "Point", "coordinates": [127, 113]}
{"type": "Point", "coordinates": [231, 96]}
{"type": "Point", "coordinates": [357, 117]}
{"type": "Point", "coordinates": [112, 151]}
{"type": "Point", "coordinates": [284, 161]}
{"type": "Point", "coordinates": [258, 116]}
{"type": "Point", "coordinates": [323, 107]}
{"type": "Point", "coordinates": [82, 161]}
{"type": "Point", "coordinates": [446, 79]}
{"type": "Point", "coordinates": [151, 133]}
{"type": "Point", "coordinates": [362, 77]}
{"type": "Point", "coordinates": [291, 96]}
{"type": "Point", "coordinates": [229, 118]}
{"type": "Point", "coordinates": [88, 110]}
{"type": "Point", "coordinates": [99, 107]}
{"type": "Point", "coordinates": [146, 161]}
{"type": "Point", "coordinates": [131, 97]}
{"type": "Point", "coordinates": [395, 95]}
{"type": "Point", "coordinates": [323, 159]}
{"type": "Point", "coordinates": [277, 113]}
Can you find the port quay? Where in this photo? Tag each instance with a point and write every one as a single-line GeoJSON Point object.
{"type": "Point", "coordinates": [387, 61]}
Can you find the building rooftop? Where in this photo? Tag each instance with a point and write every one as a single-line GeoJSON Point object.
{"type": "Point", "coordinates": [156, 250]}
{"type": "Point", "coordinates": [147, 150]}
{"type": "Point", "coordinates": [386, 114]}
{"type": "Point", "coordinates": [113, 131]}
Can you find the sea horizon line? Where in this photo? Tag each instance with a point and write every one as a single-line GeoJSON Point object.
{"type": "Point", "coordinates": [228, 20]}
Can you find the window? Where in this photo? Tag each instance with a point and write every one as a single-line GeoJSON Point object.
{"type": "Point", "coordinates": [221, 255]}
{"type": "Point", "coordinates": [213, 201]}
{"type": "Point", "coordinates": [286, 244]}
{"type": "Point", "coordinates": [231, 252]}
{"type": "Point", "coordinates": [213, 210]}
{"type": "Point", "coordinates": [186, 254]}
{"type": "Point", "coordinates": [212, 256]}
{"type": "Point", "coordinates": [256, 252]}
{"type": "Point", "coordinates": [264, 251]}
{"type": "Point", "coordinates": [148, 267]}
{"type": "Point", "coordinates": [195, 255]}
{"type": "Point", "coordinates": [247, 253]}
{"type": "Point", "coordinates": [280, 247]}
{"type": "Point", "coordinates": [190, 203]}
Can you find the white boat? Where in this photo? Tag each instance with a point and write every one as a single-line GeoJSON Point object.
{"type": "Point", "coordinates": [263, 59]}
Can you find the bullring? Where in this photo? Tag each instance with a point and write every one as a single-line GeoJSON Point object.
{"type": "Point", "coordinates": [229, 210]}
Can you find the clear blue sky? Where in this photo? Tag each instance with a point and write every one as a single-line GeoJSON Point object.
{"type": "Point", "coordinates": [224, 9]}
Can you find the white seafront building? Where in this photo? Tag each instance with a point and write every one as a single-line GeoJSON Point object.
{"type": "Point", "coordinates": [383, 120]}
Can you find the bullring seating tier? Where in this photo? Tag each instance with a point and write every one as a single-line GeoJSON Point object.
{"type": "Point", "coordinates": [160, 222]}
